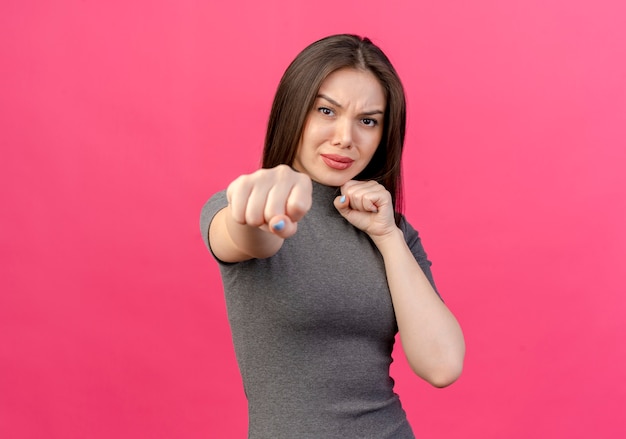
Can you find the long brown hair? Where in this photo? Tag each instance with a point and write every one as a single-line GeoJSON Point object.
{"type": "Point", "coordinates": [296, 95]}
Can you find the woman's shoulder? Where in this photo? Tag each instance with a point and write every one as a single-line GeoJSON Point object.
{"type": "Point", "coordinates": [214, 204]}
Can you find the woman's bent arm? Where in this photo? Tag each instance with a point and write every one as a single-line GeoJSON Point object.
{"type": "Point", "coordinates": [431, 336]}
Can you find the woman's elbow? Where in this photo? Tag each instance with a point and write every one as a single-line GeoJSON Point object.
{"type": "Point", "coordinates": [444, 372]}
{"type": "Point", "coordinates": [445, 376]}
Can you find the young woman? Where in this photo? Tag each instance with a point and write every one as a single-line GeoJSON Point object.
{"type": "Point", "coordinates": [320, 268]}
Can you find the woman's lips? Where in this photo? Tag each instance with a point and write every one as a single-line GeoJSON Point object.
{"type": "Point", "coordinates": [338, 162]}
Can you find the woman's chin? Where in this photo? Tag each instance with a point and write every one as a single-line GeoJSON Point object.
{"type": "Point", "coordinates": [332, 180]}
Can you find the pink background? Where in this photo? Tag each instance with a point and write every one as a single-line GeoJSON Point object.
{"type": "Point", "coordinates": [119, 119]}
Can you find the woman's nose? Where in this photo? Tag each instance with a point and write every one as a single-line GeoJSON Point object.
{"type": "Point", "coordinates": [342, 135]}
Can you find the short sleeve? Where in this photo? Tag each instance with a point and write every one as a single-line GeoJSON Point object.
{"type": "Point", "coordinates": [216, 203]}
{"type": "Point", "coordinates": [411, 236]}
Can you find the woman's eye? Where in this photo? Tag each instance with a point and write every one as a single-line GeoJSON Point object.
{"type": "Point", "coordinates": [325, 111]}
{"type": "Point", "coordinates": [370, 122]}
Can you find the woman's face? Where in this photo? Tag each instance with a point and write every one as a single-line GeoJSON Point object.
{"type": "Point", "coordinates": [343, 129]}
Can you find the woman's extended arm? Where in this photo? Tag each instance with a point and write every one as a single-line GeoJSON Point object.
{"type": "Point", "coordinates": [263, 209]}
{"type": "Point", "coordinates": [431, 336]}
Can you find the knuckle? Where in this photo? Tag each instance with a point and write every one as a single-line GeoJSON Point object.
{"type": "Point", "coordinates": [237, 218]}
{"type": "Point", "coordinates": [269, 213]}
{"type": "Point", "coordinates": [298, 206]}
{"type": "Point", "coordinates": [282, 170]}
{"type": "Point", "coordinates": [253, 219]}
{"type": "Point", "coordinates": [232, 187]}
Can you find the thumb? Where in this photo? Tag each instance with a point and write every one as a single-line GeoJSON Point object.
{"type": "Point", "coordinates": [282, 226]}
{"type": "Point", "coordinates": [353, 216]}
{"type": "Point", "coordinates": [342, 204]}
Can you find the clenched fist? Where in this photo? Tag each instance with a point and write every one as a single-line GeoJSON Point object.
{"type": "Point", "coordinates": [272, 199]}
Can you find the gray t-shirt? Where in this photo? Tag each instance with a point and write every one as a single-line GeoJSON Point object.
{"type": "Point", "coordinates": [313, 329]}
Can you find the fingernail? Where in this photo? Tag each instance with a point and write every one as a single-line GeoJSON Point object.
{"type": "Point", "coordinates": [279, 225]}
{"type": "Point", "coordinates": [342, 199]}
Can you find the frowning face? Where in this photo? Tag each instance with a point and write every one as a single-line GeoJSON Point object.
{"type": "Point", "coordinates": [343, 129]}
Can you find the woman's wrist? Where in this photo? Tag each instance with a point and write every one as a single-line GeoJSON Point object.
{"type": "Point", "coordinates": [388, 241]}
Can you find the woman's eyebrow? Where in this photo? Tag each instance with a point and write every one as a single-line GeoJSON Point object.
{"type": "Point", "coordinates": [373, 112]}
{"type": "Point", "coordinates": [332, 101]}
{"type": "Point", "coordinates": [337, 104]}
